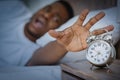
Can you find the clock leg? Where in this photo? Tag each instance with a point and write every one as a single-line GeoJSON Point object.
{"type": "Point", "coordinates": [108, 69]}
{"type": "Point", "coordinates": [91, 68]}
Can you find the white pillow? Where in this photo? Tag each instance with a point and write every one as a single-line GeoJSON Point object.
{"type": "Point", "coordinates": [35, 5]}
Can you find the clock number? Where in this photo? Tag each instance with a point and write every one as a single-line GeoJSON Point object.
{"type": "Point", "coordinates": [91, 56]}
{"type": "Point", "coordinates": [107, 52]}
{"type": "Point", "coordinates": [98, 60]}
{"type": "Point", "coordinates": [103, 45]}
{"type": "Point", "coordinates": [92, 48]}
{"type": "Point", "coordinates": [90, 52]}
{"type": "Point", "coordinates": [99, 44]}
{"type": "Point", "coordinates": [95, 59]}
{"type": "Point", "coordinates": [103, 59]}
{"type": "Point", "coordinates": [95, 46]}
{"type": "Point", "coordinates": [106, 56]}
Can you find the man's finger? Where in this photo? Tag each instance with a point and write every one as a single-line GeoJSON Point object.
{"type": "Point", "coordinates": [82, 17]}
{"type": "Point", "coordinates": [56, 34]}
{"type": "Point", "coordinates": [93, 20]}
{"type": "Point", "coordinates": [103, 30]}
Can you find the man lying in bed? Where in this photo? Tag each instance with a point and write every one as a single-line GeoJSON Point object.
{"type": "Point", "coordinates": [19, 34]}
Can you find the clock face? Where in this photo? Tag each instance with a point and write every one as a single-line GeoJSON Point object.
{"type": "Point", "coordinates": [98, 52]}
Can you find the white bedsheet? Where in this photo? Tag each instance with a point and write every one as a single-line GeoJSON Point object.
{"type": "Point", "coordinates": [30, 73]}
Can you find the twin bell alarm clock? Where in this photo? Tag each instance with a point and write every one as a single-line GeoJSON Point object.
{"type": "Point", "coordinates": [100, 51]}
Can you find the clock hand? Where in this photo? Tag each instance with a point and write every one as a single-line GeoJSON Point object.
{"type": "Point", "coordinates": [96, 53]}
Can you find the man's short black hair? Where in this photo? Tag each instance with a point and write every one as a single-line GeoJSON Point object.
{"type": "Point", "coordinates": [68, 8]}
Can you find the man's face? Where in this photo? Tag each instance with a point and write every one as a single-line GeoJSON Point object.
{"type": "Point", "coordinates": [50, 17]}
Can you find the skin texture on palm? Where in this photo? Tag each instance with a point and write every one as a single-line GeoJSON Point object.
{"type": "Point", "coordinates": [74, 37]}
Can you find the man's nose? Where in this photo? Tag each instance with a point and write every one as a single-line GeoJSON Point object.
{"type": "Point", "coordinates": [48, 16]}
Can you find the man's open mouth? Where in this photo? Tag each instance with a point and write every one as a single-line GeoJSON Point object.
{"type": "Point", "coordinates": [39, 22]}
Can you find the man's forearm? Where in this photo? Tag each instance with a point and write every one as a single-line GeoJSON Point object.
{"type": "Point", "coordinates": [49, 54]}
